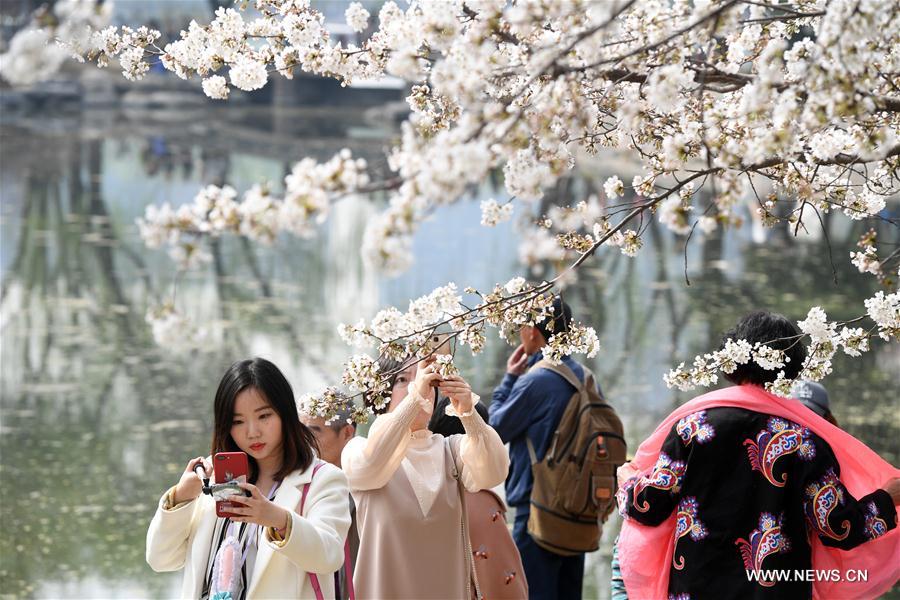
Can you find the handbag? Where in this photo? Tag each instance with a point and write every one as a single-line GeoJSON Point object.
{"type": "Point", "coordinates": [498, 564]}
{"type": "Point", "coordinates": [493, 561]}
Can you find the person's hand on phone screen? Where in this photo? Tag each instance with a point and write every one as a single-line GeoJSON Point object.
{"type": "Point", "coordinates": [258, 509]}
{"type": "Point", "coordinates": [190, 486]}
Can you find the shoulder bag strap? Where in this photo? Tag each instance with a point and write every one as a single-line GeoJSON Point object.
{"type": "Point", "coordinates": [306, 486]}
{"type": "Point", "coordinates": [471, 575]}
{"type": "Point", "coordinates": [348, 569]}
{"type": "Point", "coordinates": [313, 578]}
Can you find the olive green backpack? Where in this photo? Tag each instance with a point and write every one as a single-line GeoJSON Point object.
{"type": "Point", "coordinates": [575, 483]}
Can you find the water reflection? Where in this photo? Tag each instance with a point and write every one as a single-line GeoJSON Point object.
{"type": "Point", "coordinates": [97, 421]}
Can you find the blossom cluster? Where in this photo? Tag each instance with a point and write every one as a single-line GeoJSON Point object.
{"type": "Point", "coordinates": [405, 336]}
{"type": "Point", "coordinates": [259, 215]}
{"type": "Point", "coordinates": [493, 214]}
{"type": "Point", "coordinates": [400, 335]}
{"type": "Point", "coordinates": [824, 339]}
{"type": "Point", "coordinates": [787, 108]}
{"type": "Point", "coordinates": [868, 260]}
{"type": "Point", "coordinates": [885, 311]}
{"type": "Point", "coordinates": [173, 330]}
{"type": "Point", "coordinates": [560, 235]}
{"type": "Point", "coordinates": [766, 115]}
{"type": "Point", "coordinates": [357, 16]}
{"type": "Point", "coordinates": [577, 339]}
{"type": "Point", "coordinates": [566, 233]}
{"type": "Point", "coordinates": [31, 56]}
{"type": "Point", "coordinates": [443, 364]}
{"type": "Point", "coordinates": [329, 402]}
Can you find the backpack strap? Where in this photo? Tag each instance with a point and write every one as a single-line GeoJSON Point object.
{"type": "Point", "coordinates": [565, 372]}
{"type": "Point", "coordinates": [589, 378]}
{"type": "Point", "coordinates": [313, 578]}
{"type": "Point", "coordinates": [531, 453]}
{"type": "Point", "coordinates": [569, 375]}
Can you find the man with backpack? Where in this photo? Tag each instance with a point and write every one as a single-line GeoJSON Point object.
{"type": "Point", "coordinates": [565, 445]}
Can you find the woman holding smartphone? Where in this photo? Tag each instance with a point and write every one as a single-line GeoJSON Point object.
{"type": "Point", "coordinates": [406, 484]}
{"type": "Point", "coordinates": [271, 547]}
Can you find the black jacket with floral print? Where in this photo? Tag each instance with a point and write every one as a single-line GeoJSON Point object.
{"type": "Point", "coordinates": [748, 489]}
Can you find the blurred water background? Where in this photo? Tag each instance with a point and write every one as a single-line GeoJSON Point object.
{"type": "Point", "coordinates": [96, 420]}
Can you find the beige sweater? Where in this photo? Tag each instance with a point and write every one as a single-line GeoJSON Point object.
{"type": "Point", "coordinates": [409, 513]}
{"type": "Point", "coordinates": [370, 462]}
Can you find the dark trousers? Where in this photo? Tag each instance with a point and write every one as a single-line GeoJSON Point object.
{"type": "Point", "coordinates": [550, 576]}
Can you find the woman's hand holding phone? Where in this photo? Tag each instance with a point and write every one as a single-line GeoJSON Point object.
{"type": "Point", "coordinates": [258, 509]}
{"type": "Point", "coordinates": [190, 486]}
{"type": "Point", "coordinates": [460, 393]}
{"type": "Point", "coordinates": [426, 379]}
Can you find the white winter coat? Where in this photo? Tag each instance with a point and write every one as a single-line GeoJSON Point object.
{"type": "Point", "coordinates": [181, 538]}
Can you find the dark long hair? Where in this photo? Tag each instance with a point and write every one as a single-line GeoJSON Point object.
{"type": "Point", "coordinates": [297, 442]}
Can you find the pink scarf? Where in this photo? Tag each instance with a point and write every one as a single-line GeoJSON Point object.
{"type": "Point", "coordinates": [645, 553]}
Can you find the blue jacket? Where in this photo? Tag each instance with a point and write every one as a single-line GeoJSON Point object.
{"type": "Point", "coordinates": [532, 405]}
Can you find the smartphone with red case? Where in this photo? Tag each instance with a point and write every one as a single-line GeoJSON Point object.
{"type": "Point", "coordinates": [229, 466]}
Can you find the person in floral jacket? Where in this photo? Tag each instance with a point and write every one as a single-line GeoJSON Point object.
{"type": "Point", "coordinates": [751, 490]}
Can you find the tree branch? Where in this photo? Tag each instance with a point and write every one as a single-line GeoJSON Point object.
{"type": "Point", "coordinates": [839, 159]}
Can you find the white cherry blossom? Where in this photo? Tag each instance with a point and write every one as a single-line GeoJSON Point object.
{"type": "Point", "coordinates": [790, 108]}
